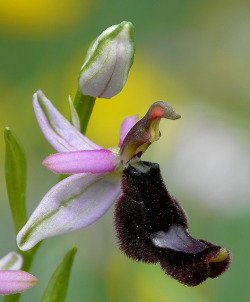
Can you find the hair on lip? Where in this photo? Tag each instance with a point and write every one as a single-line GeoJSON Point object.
{"type": "Point", "coordinates": [152, 227]}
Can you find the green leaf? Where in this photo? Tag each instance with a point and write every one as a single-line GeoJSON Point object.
{"type": "Point", "coordinates": [15, 174]}
{"type": "Point", "coordinates": [58, 284]}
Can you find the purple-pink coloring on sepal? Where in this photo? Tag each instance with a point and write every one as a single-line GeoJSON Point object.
{"type": "Point", "coordinates": [80, 199]}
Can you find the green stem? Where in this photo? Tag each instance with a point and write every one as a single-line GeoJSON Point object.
{"type": "Point", "coordinates": [84, 105]}
{"type": "Point", "coordinates": [29, 256]}
{"type": "Point", "coordinates": [12, 298]}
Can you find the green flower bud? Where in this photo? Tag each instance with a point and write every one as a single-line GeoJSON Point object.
{"type": "Point", "coordinates": [105, 71]}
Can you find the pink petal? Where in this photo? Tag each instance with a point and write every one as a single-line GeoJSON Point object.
{"type": "Point", "coordinates": [72, 204]}
{"type": "Point", "coordinates": [93, 161]}
{"type": "Point", "coordinates": [57, 130]}
{"type": "Point", "coordinates": [127, 124]}
{"type": "Point", "coordinates": [13, 282]}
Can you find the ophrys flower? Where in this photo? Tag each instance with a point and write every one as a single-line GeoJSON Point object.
{"type": "Point", "coordinates": [82, 198]}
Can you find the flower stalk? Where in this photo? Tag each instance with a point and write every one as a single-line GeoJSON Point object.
{"type": "Point", "coordinates": [84, 105]}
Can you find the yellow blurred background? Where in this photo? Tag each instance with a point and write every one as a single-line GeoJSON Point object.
{"type": "Point", "coordinates": [194, 54]}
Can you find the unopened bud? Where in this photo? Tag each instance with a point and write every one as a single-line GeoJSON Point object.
{"type": "Point", "coordinates": [105, 71]}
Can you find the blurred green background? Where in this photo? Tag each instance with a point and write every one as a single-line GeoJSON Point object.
{"type": "Point", "coordinates": [194, 54]}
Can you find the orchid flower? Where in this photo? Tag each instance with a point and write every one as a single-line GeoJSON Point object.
{"type": "Point", "coordinates": [84, 197]}
{"type": "Point", "coordinates": [151, 225]}
{"type": "Point", "coordinates": [12, 279]}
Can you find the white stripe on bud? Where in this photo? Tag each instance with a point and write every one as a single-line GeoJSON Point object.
{"type": "Point", "coordinates": [11, 261]}
{"type": "Point", "coordinates": [105, 71]}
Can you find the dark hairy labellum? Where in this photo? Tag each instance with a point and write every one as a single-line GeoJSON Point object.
{"type": "Point", "coordinates": [152, 227]}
